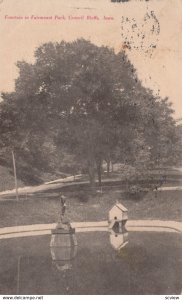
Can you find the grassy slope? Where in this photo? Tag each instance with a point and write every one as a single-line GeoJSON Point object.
{"type": "Point", "coordinates": [165, 205]}
{"type": "Point", "coordinates": [7, 180]}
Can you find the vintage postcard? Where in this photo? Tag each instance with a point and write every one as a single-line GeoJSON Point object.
{"type": "Point", "coordinates": [90, 148]}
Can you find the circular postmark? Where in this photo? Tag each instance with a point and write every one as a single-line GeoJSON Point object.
{"type": "Point", "coordinates": [140, 34]}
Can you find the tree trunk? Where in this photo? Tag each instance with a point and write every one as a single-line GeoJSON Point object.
{"type": "Point", "coordinates": [99, 172]}
{"type": "Point", "coordinates": [108, 167]}
{"type": "Point", "coordinates": [91, 173]}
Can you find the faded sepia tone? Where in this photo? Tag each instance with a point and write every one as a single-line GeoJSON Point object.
{"type": "Point", "coordinates": [161, 71]}
{"type": "Point", "coordinates": [90, 137]}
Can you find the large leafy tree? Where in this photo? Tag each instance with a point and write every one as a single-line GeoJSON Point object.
{"type": "Point", "coordinates": [89, 102]}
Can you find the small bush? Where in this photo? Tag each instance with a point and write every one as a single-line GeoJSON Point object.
{"type": "Point", "coordinates": [133, 189]}
{"type": "Point", "coordinates": [136, 191]}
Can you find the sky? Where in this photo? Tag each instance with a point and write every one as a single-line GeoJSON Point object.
{"type": "Point", "coordinates": [152, 29]}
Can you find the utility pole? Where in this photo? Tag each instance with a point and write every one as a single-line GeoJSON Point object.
{"type": "Point", "coordinates": [14, 168]}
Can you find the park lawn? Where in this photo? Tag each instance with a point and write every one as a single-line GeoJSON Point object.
{"type": "Point", "coordinates": [163, 205]}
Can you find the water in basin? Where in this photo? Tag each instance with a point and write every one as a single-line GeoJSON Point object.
{"type": "Point", "coordinates": [150, 263]}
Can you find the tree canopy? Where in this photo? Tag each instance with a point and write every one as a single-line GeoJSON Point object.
{"type": "Point", "coordinates": [87, 101]}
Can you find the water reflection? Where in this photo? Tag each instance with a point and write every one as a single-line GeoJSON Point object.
{"type": "Point", "coordinates": [27, 266]}
{"type": "Point", "coordinates": [63, 246]}
{"type": "Point", "coordinates": [118, 240]}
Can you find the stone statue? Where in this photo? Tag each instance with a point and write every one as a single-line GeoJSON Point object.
{"type": "Point", "coordinates": [63, 206]}
{"type": "Point", "coordinates": [64, 223]}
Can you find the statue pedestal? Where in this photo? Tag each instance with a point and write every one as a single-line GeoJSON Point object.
{"type": "Point", "coordinates": [63, 227]}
